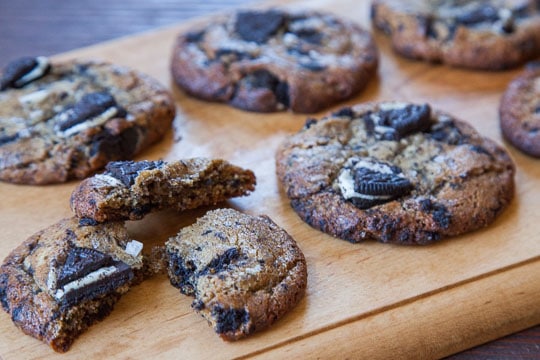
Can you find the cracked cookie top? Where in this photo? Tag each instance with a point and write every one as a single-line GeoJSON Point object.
{"type": "Point", "coordinates": [394, 172]}
{"type": "Point", "coordinates": [275, 59]}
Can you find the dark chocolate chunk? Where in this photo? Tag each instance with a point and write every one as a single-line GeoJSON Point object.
{"type": "Point", "coordinates": [439, 212]}
{"type": "Point", "coordinates": [183, 271]}
{"type": "Point", "coordinates": [309, 122]}
{"type": "Point", "coordinates": [90, 106]}
{"type": "Point", "coordinates": [447, 132]}
{"type": "Point", "coordinates": [311, 36]}
{"type": "Point", "coordinates": [119, 147]}
{"type": "Point", "coordinates": [4, 139]}
{"type": "Point", "coordinates": [229, 319]}
{"type": "Point", "coordinates": [258, 26]}
{"type": "Point", "coordinates": [345, 112]}
{"type": "Point", "coordinates": [87, 222]}
{"type": "Point", "coordinates": [80, 262]}
{"type": "Point", "coordinates": [312, 65]}
{"type": "Point", "coordinates": [194, 36]}
{"type": "Point", "coordinates": [122, 275]}
{"type": "Point", "coordinates": [127, 171]}
{"type": "Point", "coordinates": [4, 278]}
{"type": "Point", "coordinates": [17, 69]}
{"type": "Point", "coordinates": [537, 110]}
{"type": "Point", "coordinates": [221, 262]}
{"type": "Point", "coordinates": [479, 14]}
{"type": "Point", "coordinates": [265, 79]}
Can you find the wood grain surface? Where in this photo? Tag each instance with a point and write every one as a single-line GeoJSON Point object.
{"type": "Point", "coordinates": [364, 301]}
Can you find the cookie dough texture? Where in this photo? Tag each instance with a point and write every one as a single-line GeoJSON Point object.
{"type": "Point", "coordinates": [129, 190]}
{"type": "Point", "coordinates": [487, 35]}
{"type": "Point", "coordinates": [271, 60]}
{"type": "Point", "coordinates": [396, 173]}
{"type": "Point", "coordinates": [519, 111]}
{"type": "Point", "coordinates": [244, 271]}
{"type": "Point", "coordinates": [67, 277]}
{"type": "Point", "coordinates": [75, 118]}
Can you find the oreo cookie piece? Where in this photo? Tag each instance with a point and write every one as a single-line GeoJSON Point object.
{"type": "Point", "coordinates": [435, 177]}
{"type": "Point", "coordinates": [487, 35]}
{"type": "Point", "coordinates": [65, 278]}
{"type": "Point", "coordinates": [66, 120]}
{"type": "Point", "coordinates": [244, 272]}
{"type": "Point", "coordinates": [519, 111]}
{"type": "Point", "coordinates": [129, 190]}
{"type": "Point", "coordinates": [275, 59]}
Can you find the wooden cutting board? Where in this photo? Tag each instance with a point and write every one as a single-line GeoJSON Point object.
{"type": "Point", "coordinates": [364, 300]}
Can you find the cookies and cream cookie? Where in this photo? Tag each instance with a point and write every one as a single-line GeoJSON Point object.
{"type": "Point", "coordinates": [61, 120]}
{"type": "Point", "coordinates": [394, 172]}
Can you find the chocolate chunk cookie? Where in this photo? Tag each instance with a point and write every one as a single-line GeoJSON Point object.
{"type": "Point", "coordinates": [129, 190]}
{"type": "Point", "coordinates": [245, 272]}
{"type": "Point", "coordinates": [67, 277]}
{"type": "Point", "coordinates": [271, 60]}
{"type": "Point", "coordinates": [394, 172]}
{"type": "Point", "coordinates": [520, 111]}
{"type": "Point", "coordinates": [482, 34]}
{"type": "Point", "coordinates": [65, 120]}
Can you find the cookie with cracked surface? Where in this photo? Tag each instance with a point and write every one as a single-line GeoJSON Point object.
{"type": "Point", "coordinates": [244, 271]}
{"type": "Point", "coordinates": [65, 278]}
{"type": "Point", "coordinates": [65, 120]}
{"type": "Point", "coordinates": [128, 190]}
{"type": "Point", "coordinates": [487, 35]}
{"type": "Point", "coordinates": [274, 59]}
{"type": "Point", "coordinates": [394, 172]}
{"type": "Point", "coordinates": [519, 111]}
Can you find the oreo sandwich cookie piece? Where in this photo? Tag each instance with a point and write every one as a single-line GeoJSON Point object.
{"type": "Point", "coordinates": [519, 110]}
{"type": "Point", "coordinates": [394, 172]}
{"type": "Point", "coordinates": [65, 120]}
{"type": "Point", "coordinates": [65, 278]}
{"type": "Point", "coordinates": [128, 190]}
{"type": "Point", "coordinates": [245, 272]}
{"type": "Point", "coordinates": [480, 34]}
{"type": "Point", "coordinates": [275, 59]}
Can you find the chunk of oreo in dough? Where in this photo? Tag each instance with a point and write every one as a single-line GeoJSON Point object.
{"type": "Point", "coordinates": [258, 26]}
{"type": "Point", "coordinates": [127, 171]}
{"type": "Point", "coordinates": [23, 71]}
{"type": "Point", "coordinates": [396, 123]}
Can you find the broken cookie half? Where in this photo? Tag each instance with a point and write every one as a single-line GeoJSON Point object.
{"type": "Point", "coordinates": [67, 277]}
{"type": "Point", "coordinates": [244, 271]}
{"type": "Point", "coordinates": [129, 190]}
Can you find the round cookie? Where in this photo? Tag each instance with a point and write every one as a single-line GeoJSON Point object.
{"type": "Point", "coordinates": [271, 60]}
{"type": "Point", "coordinates": [67, 277]}
{"type": "Point", "coordinates": [129, 190]}
{"type": "Point", "coordinates": [65, 120]}
{"type": "Point", "coordinates": [487, 34]}
{"type": "Point", "coordinates": [519, 111]}
{"type": "Point", "coordinates": [245, 272]}
{"type": "Point", "coordinates": [394, 172]}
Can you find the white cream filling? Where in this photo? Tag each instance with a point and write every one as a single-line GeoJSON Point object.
{"type": "Point", "coordinates": [346, 185]}
{"type": "Point", "coordinates": [102, 179]}
{"type": "Point", "coordinates": [36, 72]}
{"type": "Point", "coordinates": [134, 248]}
{"type": "Point", "coordinates": [35, 97]}
{"type": "Point", "coordinates": [87, 280]}
{"type": "Point", "coordinates": [93, 122]}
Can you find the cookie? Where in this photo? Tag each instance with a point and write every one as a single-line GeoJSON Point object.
{"type": "Point", "coordinates": [519, 111]}
{"type": "Point", "coordinates": [275, 59]}
{"type": "Point", "coordinates": [394, 172]}
{"type": "Point", "coordinates": [65, 120]}
{"type": "Point", "coordinates": [244, 271]}
{"type": "Point", "coordinates": [67, 277]}
{"type": "Point", "coordinates": [487, 34]}
{"type": "Point", "coordinates": [129, 190]}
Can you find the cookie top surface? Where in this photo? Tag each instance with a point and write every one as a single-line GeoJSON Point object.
{"type": "Point", "coordinates": [65, 120]}
{"type": "Point", "coordinates": [244, 271]}
{"type": "Point", "coordinates": [271, 60]}
{"type": "Point", "coordinates": [53, 282]}
{"type": "Point", "coordinates": [520, 111]}
{"type": "Point", "coordinates": [128, 190]}
{"type": "Point", "coordinates": [487, 34]}
{"type": "Point", "coordinates": [394, 172]}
